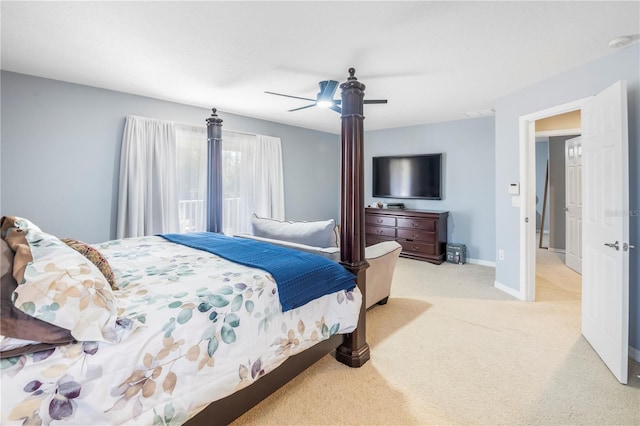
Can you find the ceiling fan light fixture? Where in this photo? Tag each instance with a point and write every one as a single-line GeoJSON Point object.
{"type": "Point", "coordinates": [325, 98]}
{"type": "Point", "coordinates": [324, 103]}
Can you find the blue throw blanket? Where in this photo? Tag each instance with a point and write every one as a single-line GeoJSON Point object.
{"type": "Point", "coordinates": [300, 276]}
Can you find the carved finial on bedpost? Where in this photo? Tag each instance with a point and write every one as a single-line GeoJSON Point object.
{"type": "Point", "coordinates": [354, 352]}
{"type": "Point", "coordinates": [214, 172]}
{"type": "Point", "coordinates": [214, 117]}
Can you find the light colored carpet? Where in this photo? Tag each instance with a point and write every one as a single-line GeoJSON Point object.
{"type": "Point", "coordinates": [449, 348]}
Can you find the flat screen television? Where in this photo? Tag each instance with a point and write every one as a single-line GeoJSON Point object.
{"type": "Point", "coordinates": [408, 176]}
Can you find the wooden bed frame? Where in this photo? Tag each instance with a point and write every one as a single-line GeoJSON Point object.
{"type": "Point", "coordinates": [351, 349]}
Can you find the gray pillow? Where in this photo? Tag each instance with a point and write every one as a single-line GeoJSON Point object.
{"type": "Point", "coordinates": [317, 234]}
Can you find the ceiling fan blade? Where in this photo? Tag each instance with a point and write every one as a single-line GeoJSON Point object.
{"type": "Point", "coordinates": [290, 96]}
{"type": "Point", "coordinates": [328, 89]}
{"type": "Point", "coordinates": [336, 109]}
{"type": "Point", "coordinates": [298, 109]}
{"type": "Point", "coordinates": [375, 101]}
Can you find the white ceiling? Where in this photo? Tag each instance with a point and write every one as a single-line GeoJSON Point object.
{"type": "Point", "coordinates": [433, 60]}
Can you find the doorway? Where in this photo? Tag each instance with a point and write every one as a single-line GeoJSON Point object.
{"type": "Point", "coordinates": [558, 199]}
{"type": "Point", "coordinates": [528, 240]}
{"type": "Point", "coordinates": [605, 292]}
{"type": "Point", "coordinates": [557, 164]}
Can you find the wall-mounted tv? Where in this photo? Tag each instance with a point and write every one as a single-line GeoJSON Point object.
{"type": "Point", "coordinates": [409, 176]}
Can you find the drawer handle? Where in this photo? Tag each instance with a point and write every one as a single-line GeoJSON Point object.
{"type": "Point", "coordinates": [379, 231]}
{"type": "Point", "coordinates": [379, 220]}
{"type": "Point", "coordinates": [415, 248]}
{"type": "Point", "coordinates": [415, 225]}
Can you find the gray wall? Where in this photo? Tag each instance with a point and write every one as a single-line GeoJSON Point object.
{"type": "Point", "coordinates": [572, 85]}
{"type": "Point", "coordinates": [542, 155]}
{"type": "Point", "coordinates": [557, 192]}
{"type": "Point", "coordinates": [468, 176]}
{"type": "Point", "coordinates": [60, 155]}
{"type": "Point", "coordinates": [557, 229]}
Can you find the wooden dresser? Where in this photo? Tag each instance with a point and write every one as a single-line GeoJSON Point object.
{"type": "Point", "coordinates": [421, 233]}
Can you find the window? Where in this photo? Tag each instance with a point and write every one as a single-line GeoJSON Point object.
{"type": "Point", "coordinates": [191, 157]}
{"type": "Point", "coordinates": [163, 179]}
{"type": "Point", "coordinates": [251, 179]}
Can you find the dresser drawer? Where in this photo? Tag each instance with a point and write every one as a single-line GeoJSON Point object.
{"type": "Point", "coordinates": [380, 231]}
{"type": "Point", "coordinates": [372, 219]}
{"type": "Point", "coordinates": [375, 239]}
{"type": "Point", "coordinates": [417, 235]}
{"type": "Point", "coordinates": [418, 247]}
{"type": "Point", "coordinates": [422, 224]}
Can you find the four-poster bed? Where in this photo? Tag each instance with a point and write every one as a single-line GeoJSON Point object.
{"type": "Point", "coordinates": [352, 349]}
{"type": "Point", "coordinates": [183, 327]}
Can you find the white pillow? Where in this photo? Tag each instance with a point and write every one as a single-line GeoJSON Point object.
{"type": "Point", "coordinates": [317, 234]}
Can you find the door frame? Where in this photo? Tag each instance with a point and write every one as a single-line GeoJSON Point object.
{"type": "Point", "coordinates": [527, 146]}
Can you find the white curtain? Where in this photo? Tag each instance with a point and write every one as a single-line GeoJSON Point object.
{"type": "Point", "coordinates": [237, 178]}
{"type": "Point", "coordinates": [163, 179]}
{"type": "Point", "coordinates": [252, 180]}
{"type": "Point", "coordinates": [191, 144]}
{"type": "Point", "coordinates": [268, 178]}
{"type": "Point", "coordinates": [147, 201]}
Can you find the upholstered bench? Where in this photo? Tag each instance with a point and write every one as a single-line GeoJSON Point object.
{"type": "Point", "coordinates": [322, 237]}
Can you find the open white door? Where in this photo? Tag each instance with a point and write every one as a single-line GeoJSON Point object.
{"type": "Point", "coordinates": [605, 227]}
{"type": "Point", "coordinates": [573, 203]}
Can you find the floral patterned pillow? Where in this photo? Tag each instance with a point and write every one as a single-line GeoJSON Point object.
{"type": "Point", "coordinates": [59, 285]}
{"type": "Point", "coordinates": [19, 329]}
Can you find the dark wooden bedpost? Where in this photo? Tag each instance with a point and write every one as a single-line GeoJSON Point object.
{"type": "Point", "coordinates": [214, 173]}
{"type": "Point", "coordinates": [354, 352]}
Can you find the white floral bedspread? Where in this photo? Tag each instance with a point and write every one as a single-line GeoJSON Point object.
{"type": "Point", "coordinates": [210, 327]}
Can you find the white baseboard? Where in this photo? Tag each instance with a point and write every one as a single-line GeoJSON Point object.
{"type": "Point", "coordinates": [482, 262]}
{"type": "Point", "coordinates": [508, 290]}
{"type": "Point", "coordinates": [634, 353]}
{"type": "Point", "coordinates": [555, 250]}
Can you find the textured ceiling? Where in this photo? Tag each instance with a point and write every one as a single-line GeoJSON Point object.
{"type": "Point", "coordinates": [432, 60]}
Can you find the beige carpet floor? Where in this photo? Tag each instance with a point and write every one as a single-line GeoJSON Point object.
{"type": "Point", "coordinates": [450, 349]}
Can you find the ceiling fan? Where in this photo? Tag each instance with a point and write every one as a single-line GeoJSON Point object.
{"type": "Point", "coordinates": [324, 98]}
